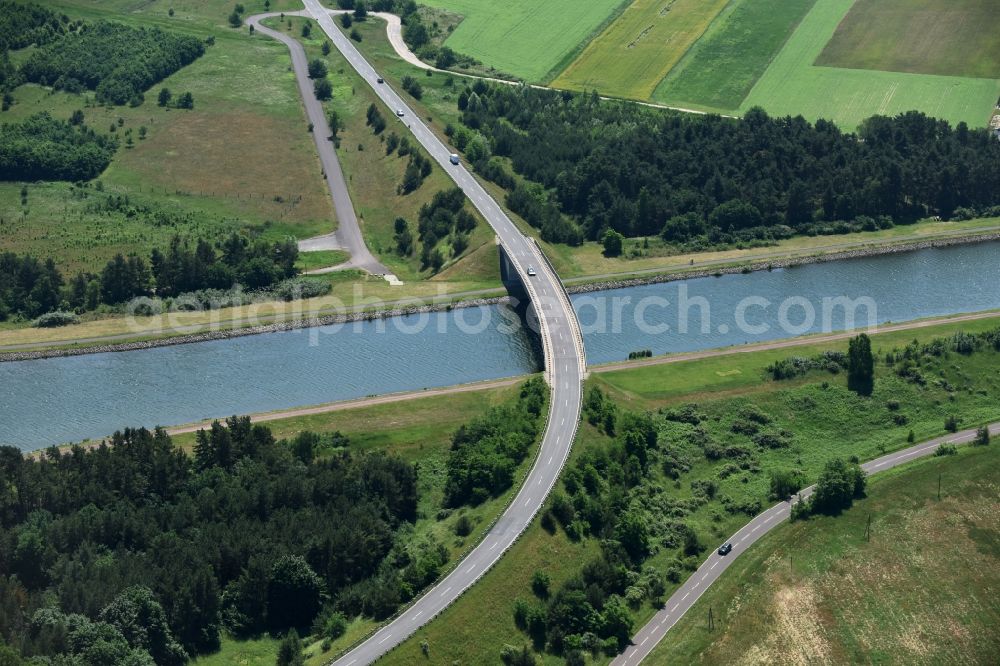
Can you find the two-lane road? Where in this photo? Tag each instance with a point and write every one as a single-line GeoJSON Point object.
{"type": "Point", "coordinates": [685, 597]}
{"type": "Point", "coordinates": [564, 361]}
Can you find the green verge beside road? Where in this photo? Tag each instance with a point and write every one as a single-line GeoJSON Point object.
{"type": "Point", "coordinates": [919, 591]}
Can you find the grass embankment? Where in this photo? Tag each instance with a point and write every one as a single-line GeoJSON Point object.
{"type": "Point", "coordinates": [825, 421]}
{"type": "Point", "coordinates": [241, 159]}
{"type": "Point", "coordinates": [947, 37]}
{"type": "Point", "coordinates": [920, 591]}
{"type": "Point", "coordinates": [637, 50]}
{"type": "Point", "coordinates": [720, 68]}
{"type": "Point", "coordinates": [309, 261]}
{"type": "Point", "coordinates": [794, 84]}
{"type": "Point", "coordinates": [524, 37]}
{"type": "Point", "coordinates": [352, 292]}
{"type": "Point", "coordinates": [418, 431]}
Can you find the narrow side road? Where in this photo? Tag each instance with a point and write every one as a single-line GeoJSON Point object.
{"type": "Point", "coordinates": [685, 597]}
{"type": "Point", "coordinates": [348, 235]}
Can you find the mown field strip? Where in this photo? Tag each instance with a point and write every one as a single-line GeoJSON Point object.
{"type": "Point", "coordinates": [525, 38]}
{"type": "Point", "coordinates": [636, 51]}
{"type": "Point", "coordinates": [721, 68]}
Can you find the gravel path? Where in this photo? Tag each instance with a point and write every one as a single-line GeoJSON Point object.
{"type": "Point", "coordinates": [348, 235]}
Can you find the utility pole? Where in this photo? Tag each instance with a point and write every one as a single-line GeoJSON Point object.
{"type": "Point", "coordinates": [939, 486]}
{"type": "Point", "coordinates": [711, 620]}
{"type": "Point", "coordinates": [868, 528]}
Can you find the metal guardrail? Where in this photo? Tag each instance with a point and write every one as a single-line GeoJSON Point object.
{"type": "Point", "coordinates": [574, 322]}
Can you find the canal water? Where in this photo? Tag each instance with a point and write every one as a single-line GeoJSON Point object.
{"type": "Point", "coordinates": [68, 399]}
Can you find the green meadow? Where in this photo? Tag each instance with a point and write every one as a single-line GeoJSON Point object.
{"type": "Point", "coordinates": [241, 159]}
{"type": "Point", "coordinates": [949, 37]}
{"type": "Point", "coordinates": [525, 38]}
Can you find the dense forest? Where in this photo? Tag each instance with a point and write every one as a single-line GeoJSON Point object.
{"type": "Point", "coordinates": [136, 552]}
{"type": "Point", "coordinates": [596, 165]}
{"type": "Point", "coordinates": [24, 24]}
{"type": "Point", "coordinates": [116, 61]}
{"type": "Point", "coordinates": [43, 148]}
{"type": "Point", "coordinates": [136, 547]}
{"type": "Point", "coordinates": [31, 288]}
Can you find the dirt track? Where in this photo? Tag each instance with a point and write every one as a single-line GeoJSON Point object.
{"type": "Point", "coordinates": [359, 403]}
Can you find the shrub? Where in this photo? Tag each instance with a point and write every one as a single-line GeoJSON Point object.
{"type": "Point", "coordinates": [540, 582]}
{"type": "Point", "coordinates": [323, 89]}
{"type": "Point", "coordinates": [951, 423]}
{"type": "Point", "coordinates": [317, 69]}
{"type": "Point", "coordinates": [296, 288]}
{"type": "Point", "coordinates": [785, 483]}
{"type": "Point", "coordinates": [982, 436]}
{"type": "Point", "coordinates": [839, 484]}
{"type": "Point", "coordinates": [612, 242]}
{"type": "Point", "coordinates": [335, 626]}
{"type": "Point", "coordinates": [463, 526]}
{"type": "Point", "coordinates": [521, 609]}
{"type": "Point", "coordinates": [946, 450]}
{"type": "Point", "coordinates": [56, 319]}
{"type": "Point", "coordinates": [412, 86]}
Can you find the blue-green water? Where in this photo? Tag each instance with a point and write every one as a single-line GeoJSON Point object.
{"type": "Point", "coordinates": [56, 400]}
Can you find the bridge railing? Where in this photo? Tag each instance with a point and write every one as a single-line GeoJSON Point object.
{"type": "Point", "coordinates": [573, 321]}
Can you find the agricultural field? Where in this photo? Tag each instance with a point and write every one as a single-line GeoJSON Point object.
{"type": "Point", "coordinates": [241, 159]}
{"type": "Point", "coordinates": [793, 85]}
{"type": "Point", "coordinates": [525, 38]}
{"type": "Point", "coordinates": [791, 58]}
{"type": "Point", "coordinates": [920, 591]}
{"type": "Point", "coordinates": [719, 70]}
{"type": "Point", "coordinates": [946, 37]}
{"type": "Point", "coordinates": [637, 50]}
{"type": "Point", "coordinates": [826, 420]}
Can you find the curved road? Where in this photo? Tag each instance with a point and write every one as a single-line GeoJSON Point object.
{"type": "Point", "coordinates": [348, 235]}
{"type": "Point", "coordinates": [681, 601]}
{"type": "Point", "coordinates": [564, 370]}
